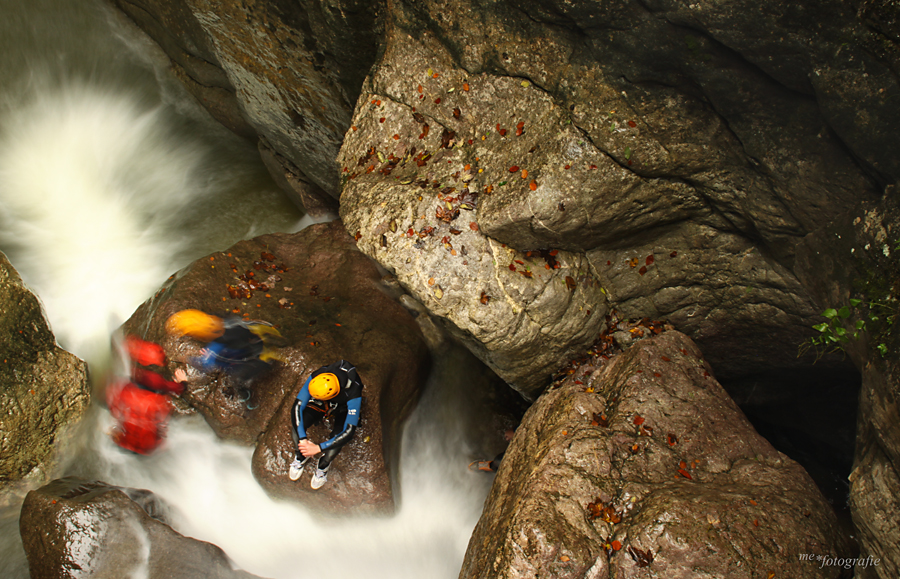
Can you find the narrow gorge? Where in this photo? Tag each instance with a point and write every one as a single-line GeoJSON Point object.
{"type": "Point", "coordinates": [657, 238]}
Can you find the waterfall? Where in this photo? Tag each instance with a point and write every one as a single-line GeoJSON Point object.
{"type": "Point", "coordinates": [111, 179]}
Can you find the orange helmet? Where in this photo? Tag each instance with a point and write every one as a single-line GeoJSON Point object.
{"type": "Point", "coordinates": [324, 386]}
{"type": "Point", "coordinates": [195, 324]}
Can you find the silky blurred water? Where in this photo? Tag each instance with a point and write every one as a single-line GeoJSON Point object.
{"type": "Point", "coordinates": [111, 179]}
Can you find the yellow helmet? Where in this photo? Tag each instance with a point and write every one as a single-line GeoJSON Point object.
{"type": "Point", "coordinates": [195, 324]}
{"type": "Point", "coordinates": [324, 386]}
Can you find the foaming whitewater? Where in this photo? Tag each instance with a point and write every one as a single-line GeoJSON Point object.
{"type": "Point", "coordinates": [95, 198]}
{"type": "Point", "coordinates": [213, 497]}
{"type": "Point", "coordinates": [90, 184]}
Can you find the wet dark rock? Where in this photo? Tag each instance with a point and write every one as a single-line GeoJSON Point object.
{"type": "Point", "coordinates": [78, 528]}
{"type": "Point", "coordinates": [640, 464]}
{"type": "Point", "coordinates": [329, 303]}
{"type": "Point", "coordinates": [43, 388]}
{"type": "Point", "coordinates": [287, 72]}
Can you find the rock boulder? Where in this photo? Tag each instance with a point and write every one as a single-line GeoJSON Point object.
{"type": "Point", "coordinates": [329, 302]}
{"type": "Point", "coordinates": [642, 463]}
{"type": "Point", "coordinates": [78, 528]}
{"type": "Point", "coordinates": [43, 388]}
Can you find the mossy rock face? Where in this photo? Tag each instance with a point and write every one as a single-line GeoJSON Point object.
{"type": "Point", "coordinates": [43, 388]}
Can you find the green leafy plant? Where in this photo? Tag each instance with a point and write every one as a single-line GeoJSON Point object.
{"type": "Point", "coordinates": [833, 333]}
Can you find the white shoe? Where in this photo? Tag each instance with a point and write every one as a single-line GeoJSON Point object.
{"type": "Point", "coordinates": [296, 469]}
{"type": "Point", "coordinates": [319, 478]}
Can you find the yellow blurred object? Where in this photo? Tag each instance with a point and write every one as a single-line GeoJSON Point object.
{"type": "Point", "coordinates": [265, 331]}
{"type": "Point", "coordinates": [196, 324]}
{"type": "Point", "coordinates": [324, 386]}
{"type": "Point", "coordinates": [270, 355]}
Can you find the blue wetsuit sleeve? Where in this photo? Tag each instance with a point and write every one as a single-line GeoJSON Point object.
{"type": "Point", "coordinates": [354, 406]}
{"type": "Point", "coordinates": [297, 411]}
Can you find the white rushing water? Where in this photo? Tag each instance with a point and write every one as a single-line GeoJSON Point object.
{"type": "Point", "coordinates": [107, 188]}
{"type": "Point", "coordinates": [89, 184]}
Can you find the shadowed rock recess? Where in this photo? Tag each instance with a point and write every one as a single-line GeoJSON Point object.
{"type": "Point", "coordinates": [525, 168]}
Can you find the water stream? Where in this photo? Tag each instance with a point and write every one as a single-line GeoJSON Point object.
{"type": "Point", "coordinates": [111, 179]}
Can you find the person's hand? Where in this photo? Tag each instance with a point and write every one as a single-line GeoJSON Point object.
{"type": "Point", "coordinates": [308, 448]}
{"type": "Point", "coordinates": [180, 375]}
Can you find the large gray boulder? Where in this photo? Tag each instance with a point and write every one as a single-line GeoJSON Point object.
{"type": "Point", "coordinates": [643, 464]}
{"type": "Point", "coordinates": [43, 389]}
{"type": "Point", "coordinates": [524, 233]}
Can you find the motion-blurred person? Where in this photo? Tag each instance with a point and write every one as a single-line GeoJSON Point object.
{"type": "Point", "coordinates": [141, 407]}
{"type": "Point", "coordinates": [242, 349]}
{"type": "Point", "coordinates": [332, 392]}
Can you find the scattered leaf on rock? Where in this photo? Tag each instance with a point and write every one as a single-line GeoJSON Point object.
{"type": "Point", "coordinates": [642, 558]}
{"type": "Point", "coordinates": [600, 420]}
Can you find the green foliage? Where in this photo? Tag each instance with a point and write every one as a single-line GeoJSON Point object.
{"type": "Point", "coordinates": [833, 332]}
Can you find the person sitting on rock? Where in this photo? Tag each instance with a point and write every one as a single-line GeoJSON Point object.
{"type": "Point", "coordinates": [141, 407]}
{"type": "Point", "coordinates": [242, 349]}
{"type": "Point", "coordinates": [332, 392]}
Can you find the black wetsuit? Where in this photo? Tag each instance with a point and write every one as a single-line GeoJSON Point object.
{"type": "Point", "coordinates": [344, 409]}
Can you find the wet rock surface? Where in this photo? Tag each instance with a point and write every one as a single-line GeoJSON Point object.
{"type": "Point", "coordinates": [328, 302]}
{"type": "Point", "coordinates": [43, 388]}
{"type": "Point", "coordinates": [642, 464]}
{"type": "Point", "coordinates": [78, 528]}
{"type": "Point", "coordinates": [289, 73]}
